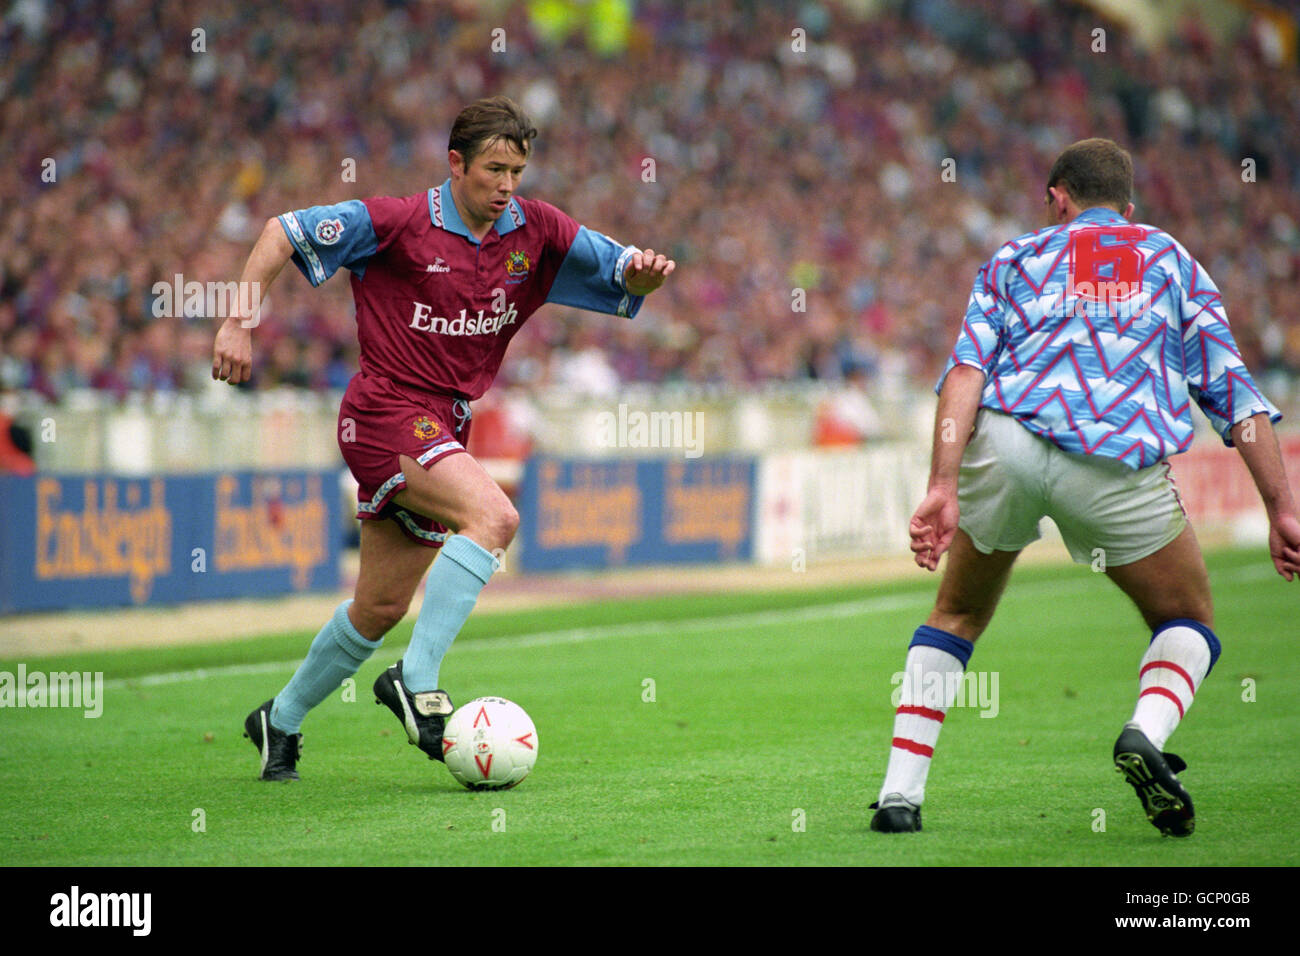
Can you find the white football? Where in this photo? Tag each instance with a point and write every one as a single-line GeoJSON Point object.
{"type": "Point", "coordinates": [489, 744]}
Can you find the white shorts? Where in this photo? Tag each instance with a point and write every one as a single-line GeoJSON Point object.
{"type": "Point", "coordinates": [1011, 478]}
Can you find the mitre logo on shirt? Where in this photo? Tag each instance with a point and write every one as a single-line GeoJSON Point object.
{"type": "Point", "coordinates": [423, 320]}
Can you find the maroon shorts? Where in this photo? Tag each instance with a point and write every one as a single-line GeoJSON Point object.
{"type": "Point", "coordinates": [380, 420]}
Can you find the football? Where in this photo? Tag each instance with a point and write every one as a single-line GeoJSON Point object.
{"type": "Point", "coordinates": [489, 743]}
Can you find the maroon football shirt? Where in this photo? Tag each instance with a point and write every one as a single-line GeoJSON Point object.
{"type": "Point", "coordinates": [437, 308]}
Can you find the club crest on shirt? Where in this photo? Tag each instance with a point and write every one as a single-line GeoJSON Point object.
{"type": "Point", "coordinates": [517, 266]}
{"type": "Point", "coordinates": [426, 429]}
{"type": "Point", "coordinates": [329, 231]}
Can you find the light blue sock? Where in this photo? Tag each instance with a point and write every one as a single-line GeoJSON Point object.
{"type": "Point", "coordinates": [450, 593]}
{"type": "Point", "coordinates": [335, 654]}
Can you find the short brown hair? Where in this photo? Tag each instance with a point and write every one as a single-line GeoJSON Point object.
{"type": "Point", "coordinates": [483, 122]}
{"type": "Point", "coordinates": [1095, 172]}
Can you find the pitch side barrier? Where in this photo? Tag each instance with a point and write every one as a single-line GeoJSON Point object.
{"type": "Point", "coordinates": [843, 503]}
{"type": "Point", "coordinates": [784, 508]}
{"type": "Point", "coordinates": [592, 513]}
{"type": "Point", "coordinates": [98, 540]}
{"type": "Point", "coordinates": [1219, 493]}
{"type": "Point", "coordinates": [792, 508]}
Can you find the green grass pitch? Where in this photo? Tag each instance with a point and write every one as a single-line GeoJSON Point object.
{"type": "Point", "coordinates": [746, 729]}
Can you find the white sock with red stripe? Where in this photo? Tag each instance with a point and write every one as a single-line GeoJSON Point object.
{"type": "Point", "coordinates": [936, 661]}
{"type": "Point", "coordinates": [1181, 653]}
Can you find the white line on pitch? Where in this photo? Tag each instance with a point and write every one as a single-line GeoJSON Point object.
{"type": "Point", "coordinates": [578, 635]}
{"type": "Point", "coordinates": [200, 673]}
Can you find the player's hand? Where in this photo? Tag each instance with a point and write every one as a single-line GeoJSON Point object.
{"type": "Point", "coordinates": [646, 272]}
{"type": "Point", "coordinates": [1284, 545]}
{"type": "Point", "coordinates": [232, 354]}
{"type": "Point", "coordinates": [933, 526]}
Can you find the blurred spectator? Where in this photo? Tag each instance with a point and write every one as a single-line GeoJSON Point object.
{"type": "Point", "coordinates": [869, 169]}
{"type": "Point", "coordinates": [848, 417]}
{"type": "Point", "coordinates": [15, 448]}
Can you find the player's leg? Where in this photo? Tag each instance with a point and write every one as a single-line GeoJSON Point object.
{"type": "Point", "coordinates": [1172, 583]}
{"type": "Point", "coordinates": [1001, 473]}
{"type": "Point", "coordinates": [459, 495]}
{"type": "Point", "coordinates": [391, 567]}
{"type": "Point", "coordinates": [1135, 520]}
{"type": "Point", "coordinates": [1171, 589]}
{"type": "Point", "coordinates": [456, 492]}
{"type": "Point", "coordinates": [972, 584]}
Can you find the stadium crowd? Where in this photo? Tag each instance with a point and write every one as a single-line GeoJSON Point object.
{"type": "Point", "coordinates": [787, 155]}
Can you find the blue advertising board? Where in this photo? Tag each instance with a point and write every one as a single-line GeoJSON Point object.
{"type": "Point", "coordinates": [104, 540]}
{"type": "Point", "coordinates": [598, 514]}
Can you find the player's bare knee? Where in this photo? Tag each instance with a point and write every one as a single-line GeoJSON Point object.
{"type": "Point", "coordinates": [507, 523]}
{"type": "Point", "coordinates": [494, 526]}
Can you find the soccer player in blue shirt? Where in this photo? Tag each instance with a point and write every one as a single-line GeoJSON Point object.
{"type": "Point", "coordinates": [442, 280]}
{"type": "Point", "coordinates": [1082, 348]}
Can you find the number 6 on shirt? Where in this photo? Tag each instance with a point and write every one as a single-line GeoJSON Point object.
{"type": "Point", "coordinates": [1105, 263]}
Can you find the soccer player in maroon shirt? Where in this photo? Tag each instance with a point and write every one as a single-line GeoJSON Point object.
{"type": "Point", "coordinates": [442, 280]}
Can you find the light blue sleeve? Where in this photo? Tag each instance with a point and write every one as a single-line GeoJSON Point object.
{"type": "Point", "coordinates": [326, 238]}
{"type": "Point", "coordinates": [980, 341]}
{"type": "Point", "coordinates": [591, 276]}
{"type": "Point", "coordinates": [1217, 378]}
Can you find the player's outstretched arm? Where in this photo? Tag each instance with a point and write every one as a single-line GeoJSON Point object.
{"type": "Point", "coordinates": [1256, 441]}
{"type": "Point", "coordinates": [935, 522]}
{"type": "Point", "coordinates": [646, 272]}
{"type": "Point", "coordinates": [232, 353]}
